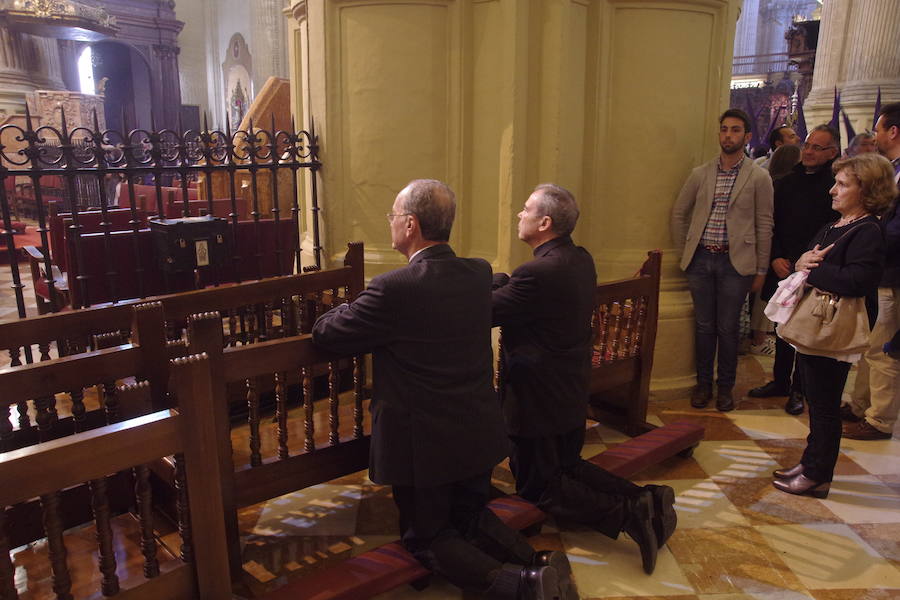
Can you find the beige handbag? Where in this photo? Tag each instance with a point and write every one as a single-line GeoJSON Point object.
{"type": "Point", "coordinates": [824, 324]}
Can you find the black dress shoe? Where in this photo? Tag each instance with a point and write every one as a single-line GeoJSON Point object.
{"type": "Point", "coordinates": [539, 583]}
{"type": "Point", "coordinates": [665, 518]}
{"type": "Point", "coordinates": [801, 485]}
{"type": "Point", "coordinates": [848, 415]}
{"type": "Point", "coordinates": [701, 395]}
{"type": "Point", "coordinates": [725, 399]}
{"type": "Point", "coordinates": [794, 404]}
{"type": "Point", "coordinates": [639, 525]}
{"type": "Point", "coordinates": [560, 562]}
{"type": "Point", "coordinates": [789, 472]}
{"type": "Point", "coordinates": [768, 391]}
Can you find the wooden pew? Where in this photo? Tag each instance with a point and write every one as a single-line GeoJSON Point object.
{"type": "Point", "coordinates": [43, 477]}
{"type": "Point", "coordinates": [624, 323]}
{"type": "Point", "coordinates": [252, 312]}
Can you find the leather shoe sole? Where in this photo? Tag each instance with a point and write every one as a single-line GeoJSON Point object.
{"type": "Point", "coordinates": [665, 519]}
{"type": "Point", "coordinates": [639, 526]}
{"type": "Point", "coordinates": [794, 404]}
{"type": "Point", "coordinates": [539, 584]}
{"type": "Point", "coordinates": [560, 562]}
{"type": "Point", "coordinates": [769, 390]}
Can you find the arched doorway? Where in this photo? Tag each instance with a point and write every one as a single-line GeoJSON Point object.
{"type": "Point", "coordinates": [122, 74]}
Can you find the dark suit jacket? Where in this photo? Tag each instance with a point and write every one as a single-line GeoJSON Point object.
{"type": "Point", "coordinates": [435, 416]}
{"type": "Point", "coordinates": [545, 310]}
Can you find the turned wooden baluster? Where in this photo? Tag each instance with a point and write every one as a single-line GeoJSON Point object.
{"type": "Point", "coordinates": [143, 495]}
{"type": "Point", "coordinates": [357, 397]}
{"type": "Point", "coordinates": [308, 405]}
{"type": "Point", "coordinates": [44, 350]}
{"type": "Point", "coordinates": [15, 357]}
{"type": "Point", "coordinates": [252, 337]}
{"type": "Point", "coordinates": [627, 349]}
{"type": "Point", "coordinates": [184, 513]}
{"type": "Point", "coordinates": [109, 583]}
{"type": "Point", "coordinates": [603, 331]}
{"type": "Point", "coordinates": [78, 409]}
{"type": "Point", "coordinates": [269, 322]}
{"type": "Point", "coordinates": [232, 338]}
{"type": "Point", "coordinates": [56, 547]}
{"type": "Point", "coordinates": [616, 330]}
{"type": "Point", "coordinates": [6, 426]}
{"type": "Point", "coordinates": [639, 327]}
{"type": "Point", "coordinates": [7, 570]}
{"type": "Point", "coordinates": [334, 437]}
{"type": "Point", "coordinates": [253, 422]}
{"type": "Point", "coordinates": [281, 415]}
{"type": "Point", "coordinates": [44, 416]}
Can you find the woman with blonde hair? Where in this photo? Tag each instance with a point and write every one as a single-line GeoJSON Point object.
{"type": "Point", "coordinates": [844, 260]}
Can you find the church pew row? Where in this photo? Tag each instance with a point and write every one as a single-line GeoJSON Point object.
{"type": "Point", "coordinates": [92, 459]}
{"type": "Point", "coordinates": [389, 566]}
{"type": "Point", "coordinates": [253, 311]}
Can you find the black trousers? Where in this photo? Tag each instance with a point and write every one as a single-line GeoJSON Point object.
{"type": "Point", "coordinates": [450, 530]}
{"type": "Point", "coordinates": [823, 384]}
{"type": "Point", "coordinates": [785, 371]}
{"type": "Point", "coordinates": [549, 471]}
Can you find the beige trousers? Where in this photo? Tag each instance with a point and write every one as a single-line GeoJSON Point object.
{"type": "Point", "coordinates": [876, 394]}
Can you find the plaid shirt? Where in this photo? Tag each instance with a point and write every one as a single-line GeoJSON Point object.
{"type": "Point", "coordinates": [716, 233]}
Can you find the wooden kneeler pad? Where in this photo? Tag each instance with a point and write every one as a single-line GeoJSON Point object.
{"type": "Point", "coordinates": [389, 566]}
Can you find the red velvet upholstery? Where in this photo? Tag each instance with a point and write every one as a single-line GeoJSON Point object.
{"type": "Point", "coordinates": [649, 448]}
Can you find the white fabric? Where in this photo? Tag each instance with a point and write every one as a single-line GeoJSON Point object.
{"type": "Point", "coordinates": [782, 303]}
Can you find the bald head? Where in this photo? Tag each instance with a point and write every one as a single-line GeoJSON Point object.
{"type": "Point", "coordinates": [434, 205]}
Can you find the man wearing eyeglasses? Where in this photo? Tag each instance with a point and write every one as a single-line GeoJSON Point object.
{"type": "Point", "coordinates": [437, 429]}
{"type": "Point", "coordinates": [802, 207]}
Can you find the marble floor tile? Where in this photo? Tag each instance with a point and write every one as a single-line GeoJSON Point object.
{"type": "Point", "coordinates": [787, 453]}
{"type": "Point", "coordinates": [319, 510]}
{"type": "Point", "coordinates": [439, 589]}
{"type": "Point", "coordinates": [716, 425]}
{"type": "Point", "coordinates": [863, 499]}
{"type": "Point", "coordinates": [768, 424]}
{"type": "Point", "coordinates": [730, 460]}
{"type": "Point", "coordinates": [859, 594]}
{"type": "Point", "coordinates": [701, 503]}
{"type": "Point", "coordinates": [877, 457]}
{"type": "Point", "coordinates": [776, 595]}
{"type": "Point", "coordinates": [830, 556]}
{"type": "Point", "coordinates": [884, 537]}
{"type": "Point", "coordinates": [595, 557]}
{"type": "Point", "coordinates": [731, 560]}
{"type": "Point", "coordinates": [762, 504]}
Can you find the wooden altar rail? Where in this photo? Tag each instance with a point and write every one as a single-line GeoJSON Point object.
{"type": "Point", "coordinates": [253, 312]}
{"type": "Point", "coordinates": [93, 457]}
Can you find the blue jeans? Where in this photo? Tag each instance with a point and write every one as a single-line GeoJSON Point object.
{"type": "Point", "coordinates": [718, 292]}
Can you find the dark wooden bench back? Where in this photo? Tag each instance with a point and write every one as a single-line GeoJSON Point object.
{"type": "Point", "coordinates": [119, 219]}
{"type": "Point", "coordinates": [92, 461]}
{"type": "Point", "coordinates": [624, 323]}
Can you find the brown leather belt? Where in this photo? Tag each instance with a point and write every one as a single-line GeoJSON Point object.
{"type": "Point", "coordinates": [712, 249]}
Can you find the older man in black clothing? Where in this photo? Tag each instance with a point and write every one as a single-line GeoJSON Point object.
{"type": "Point", "coordinates": [802, 207]}
{"type": "Point", "coordinates": [437, 431]}
{"type": "Point", "coordinates": [545, 310]}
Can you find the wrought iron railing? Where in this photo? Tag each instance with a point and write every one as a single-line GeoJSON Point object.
{"type": "Point", "coordinates": [80, 162]}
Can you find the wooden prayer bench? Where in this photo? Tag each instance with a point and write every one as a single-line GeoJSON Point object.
{"type": "Point", "coordinates": [389, 566]}
{"type": "Point", "coordinates": [38, 484]}
{"type": "Point", "coordinates": [624, 324]}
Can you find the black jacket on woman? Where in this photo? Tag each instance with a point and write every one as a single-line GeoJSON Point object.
{"type": "Point", "coordinates": [854, 265]}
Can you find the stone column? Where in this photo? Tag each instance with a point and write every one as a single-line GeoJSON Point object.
{"type": "Point", "coordinates": [858, 53]}
{"type": "Point", "coordinates": [268, 42]}
{"type": "Point", "coordinates": [616, 101]}
{"type": "Point", "coordinates": [166, 86]}
{"type": "Point", "coordinates": [27, 63]}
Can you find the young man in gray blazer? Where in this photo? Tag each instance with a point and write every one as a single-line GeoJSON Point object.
{"type": "Point", "coordinates": [437, 431]}
{"type": "Point", "coordinates": [723, 221]}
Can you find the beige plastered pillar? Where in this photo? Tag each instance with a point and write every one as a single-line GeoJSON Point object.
{"type": "Point", "coordinates": [616, 100]}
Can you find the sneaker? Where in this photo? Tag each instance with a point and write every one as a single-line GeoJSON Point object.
{"type": "Point", "coordinates": [848, 415]}
{"type": "Point", "coordinates": [864, 431]}
{"type": "Point", "coordinates": [767, 348]}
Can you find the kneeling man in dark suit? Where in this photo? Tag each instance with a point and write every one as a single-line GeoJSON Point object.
{"type": "Point", "coordinates": [437, 431]}
{"type": "Point", "coordinates": [545, 311]}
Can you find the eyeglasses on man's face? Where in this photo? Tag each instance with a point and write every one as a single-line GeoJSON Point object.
{"type": "Point", "coordinates": [816, 147]}
{"type": "Point", "coordinates": [390, 216]}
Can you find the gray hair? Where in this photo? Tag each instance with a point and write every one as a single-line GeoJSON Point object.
{"type": "Point", "coordinates": [559, 204]}
{"type": "Point", "coordinates": [434, 205]}
{"type": "Point", "coordinates": [857, 140]}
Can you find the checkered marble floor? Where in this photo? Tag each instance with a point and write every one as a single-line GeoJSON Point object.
{"type": "Point", "coordinates": [737, 539]}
